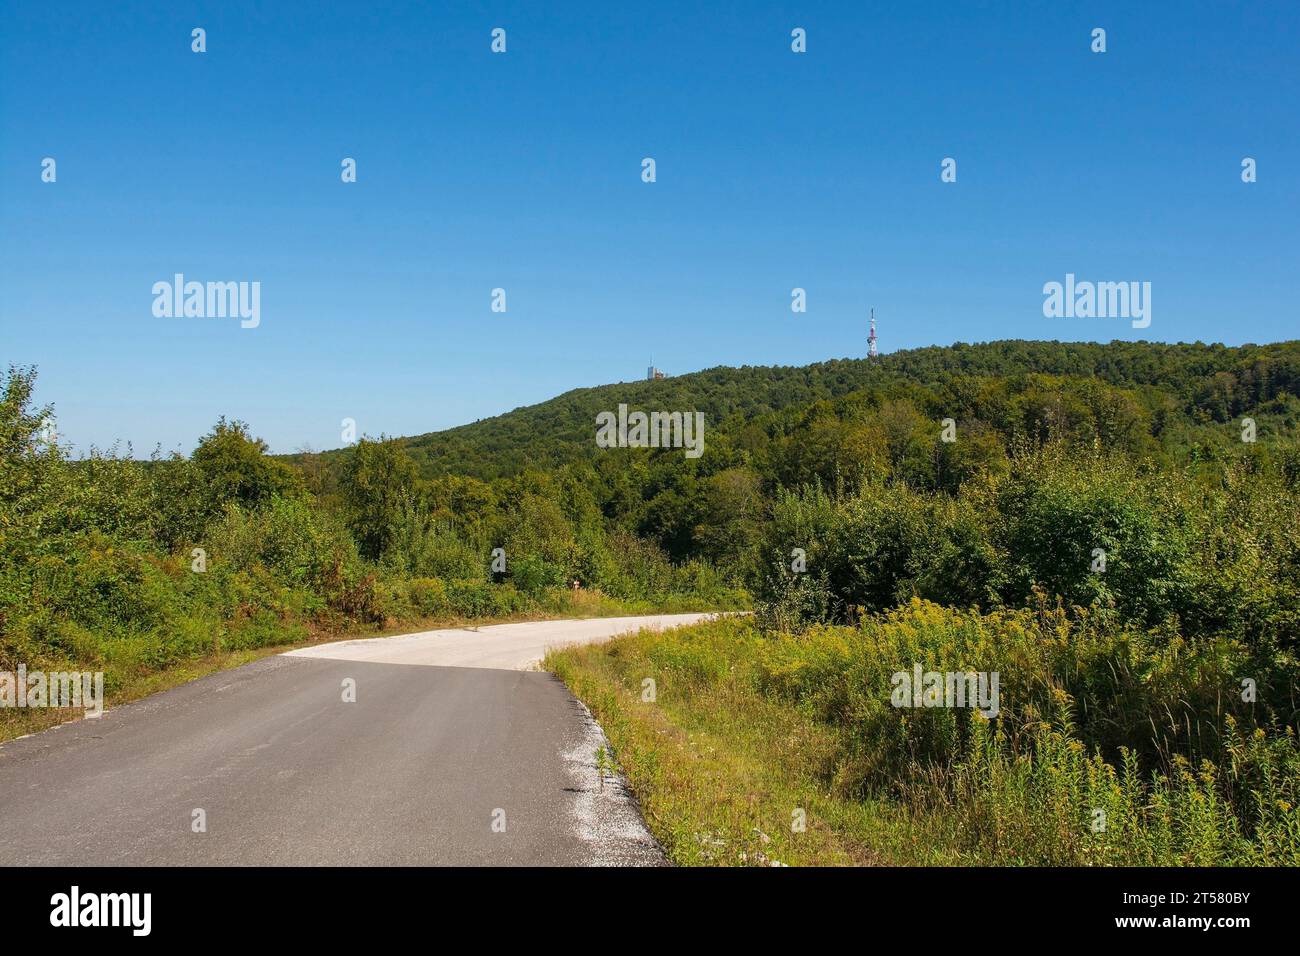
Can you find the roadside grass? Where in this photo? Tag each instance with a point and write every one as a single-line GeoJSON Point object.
{"type": "Point", "coordinates": [748, 727]}
{"type": "Point", "coordinates": [722, 774]}
{"type": "Point", "coordinates": [132, 678]}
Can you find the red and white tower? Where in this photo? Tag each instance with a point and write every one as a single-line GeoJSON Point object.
{"type": "Point", "coordinates": [871, 339]}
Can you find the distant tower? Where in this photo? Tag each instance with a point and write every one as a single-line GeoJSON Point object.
{"type": "Point", "coordinates": [871, 339]}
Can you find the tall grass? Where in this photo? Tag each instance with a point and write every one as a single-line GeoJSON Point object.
{"type": "Point", "coordinates": [1111, 746]}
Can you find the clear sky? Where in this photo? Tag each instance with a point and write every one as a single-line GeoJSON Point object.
{"type": "Point", "coordinates": [522, 171]}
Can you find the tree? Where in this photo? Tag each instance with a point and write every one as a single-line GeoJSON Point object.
{"type": "Point", "coordinates": [734, 510]}
{"type": "Point", "coordinates": [235, 467]}
{"type": "Point", "coordinates": [377, 481]}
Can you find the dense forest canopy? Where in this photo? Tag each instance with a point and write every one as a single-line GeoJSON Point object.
{"type": "Point", "coordinates": [1193, 382]}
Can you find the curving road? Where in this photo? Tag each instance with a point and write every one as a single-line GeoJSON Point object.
{"type": "Point", "coordinates": [453, 752]}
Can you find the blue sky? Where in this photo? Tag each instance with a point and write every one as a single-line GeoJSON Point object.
{"type": "Point", "coordinates": [523, 171]}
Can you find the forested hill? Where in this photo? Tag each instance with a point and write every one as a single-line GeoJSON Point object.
{"type": "Point", "coordinates": [1205, 383]}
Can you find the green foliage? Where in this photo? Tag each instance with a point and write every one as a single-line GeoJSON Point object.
{"type": "Point", "coordinates": [233, 467]}
{"type": "Point", "coordinates": [1217, 552]}
{"type": "Point", "coordinates": [376, 483]}
{"type": "Point", "coordinates": [424, 546]}
{"type": "Point", "coordinates": [1129, 395]}
{"type": "Point", "coordinates": [131, 566]}
{"type": "Point", "coordinates": [1151, 731]}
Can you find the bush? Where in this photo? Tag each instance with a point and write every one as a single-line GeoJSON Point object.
{"type": "Point", "coordinates": [1218, 553]}
{"type": "Point", "coordinates": [428, 596]}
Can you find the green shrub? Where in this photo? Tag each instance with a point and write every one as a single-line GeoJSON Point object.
{"type": "Point", "coordinates": [428, 596]}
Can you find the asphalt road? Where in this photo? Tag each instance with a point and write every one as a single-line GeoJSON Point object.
{"type": "Point", "coordinates": [452, 753]}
